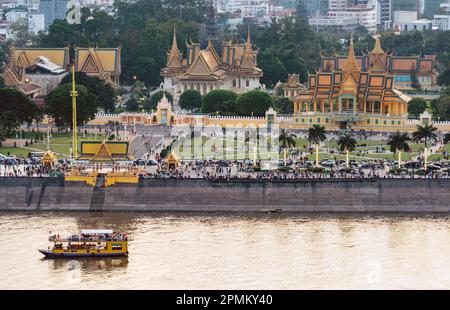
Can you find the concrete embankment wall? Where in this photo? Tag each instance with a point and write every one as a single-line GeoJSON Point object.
{"type": "Point", "coordinates": [383, 195]}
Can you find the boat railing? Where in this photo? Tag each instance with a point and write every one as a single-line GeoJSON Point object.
{"type": "Point", "coordinates": [90, 239]}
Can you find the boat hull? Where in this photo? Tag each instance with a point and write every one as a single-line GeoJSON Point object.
{"type": "Point", "coordinates": [50, 254]}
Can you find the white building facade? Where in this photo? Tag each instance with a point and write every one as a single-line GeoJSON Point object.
{"type": "Point", "coordinates": [347, 18]}
{"type": "Point", "coordinates": [36, 23]}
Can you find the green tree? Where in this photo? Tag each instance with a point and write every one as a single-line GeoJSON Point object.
{"type": "Point", "coordinates": [346, 142]}
{"type": "Point", "coordinates": [416, 106]}
{"type": "Point", "coordinates": [274, 70]}
{"type": "Point", "coordinates": [132, 105]}
{"type": "Point", "coordinates": [286, 139]}
{"type": "Point", "coordinates": [190, 100]}
{"type": "Point", "coordinates": [222, 101]}
{"type": "Point", "coordinates": [283, 105]}
{"type": "Point", "coordinates": [442, 107]}
{"type": "Point", "coordinates": [399, 142]}
{"type": "Point", "coordinates": [425, 133]}
{"type": "Point", "coordinates": [253, 103]}
{"type": "Point", "coordinates": [156, 98]}
{"type": "Point", "coordinates": [446, 138]}
{"type": "Point", "coordinates": [361, 31]}
{"type": "Point", "coordinates": [39, 116]}
{"type": "Point", "coordinates": [15, 109]}
{"type": "Point", "coordinates": [2, 82]}
{"type": "Point", "coordinates": [104, 93]}
{"type": "Point", "coordinates": [59, 105]}
{"type": "Point", "coordinates": [316, 134]}
{"type": "Point", "coordinates": [444, 77]}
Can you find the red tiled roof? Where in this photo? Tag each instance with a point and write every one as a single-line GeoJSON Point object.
{"type": "Point", "coordinates": [39, 102]}
{"type": "Point", "coordinates": [29, 88]}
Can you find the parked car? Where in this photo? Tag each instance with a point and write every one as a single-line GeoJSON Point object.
{"type": "Point", "coordinates": [139, 162]}
{"type": "Point", "coordinates": [412, 165]}
{"type": "Point", "coordinates": [39, 155]}
{"type": "Point", "coordinates": [223, 163]}
{"type": "Point", "coordinates": [10, 160]}
{"type": "Point", "coordinates": [328, 163]}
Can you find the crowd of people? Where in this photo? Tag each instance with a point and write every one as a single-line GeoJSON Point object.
{"type": "Point", "coordinates": [222, 170]}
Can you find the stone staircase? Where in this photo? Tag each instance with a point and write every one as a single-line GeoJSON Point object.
{"type": "Point", "coordinates": [98, 194]}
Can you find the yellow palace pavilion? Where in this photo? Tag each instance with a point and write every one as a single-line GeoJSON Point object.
{"type": "Point", "coordinates": [351, 98]}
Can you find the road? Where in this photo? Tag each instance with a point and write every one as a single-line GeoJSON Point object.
{"type": "Point", "coordinates": [149, 138]}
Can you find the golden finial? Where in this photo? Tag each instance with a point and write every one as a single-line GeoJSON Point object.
{"type": "Point", "coordinates": [174, 41]}
{"type": "Point", "coordinates": [377, 49]}
{"type": "Point", "coordinates": [351, 65]}
{"type": "Point", "coordinates": [249, 42]}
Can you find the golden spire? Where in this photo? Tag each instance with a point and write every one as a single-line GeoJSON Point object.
{"type": "Point", "coordinates": [377, 49]}
{"type": "Point", "coordinates": [248, 44]}
{"type": "Point", "coordinates": [351, 65]}
{"type": "Point", "coordinates": [174, 41]}
{"type": "Point", "coordinates": [249, 41]}
{"type": "Point", "coordinates": [174, 52]}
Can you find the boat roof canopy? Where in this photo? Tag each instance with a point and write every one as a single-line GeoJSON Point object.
{"type": "Point", "coordinates": [96, 231]}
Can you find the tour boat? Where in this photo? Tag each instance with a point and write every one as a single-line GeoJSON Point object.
{"type": "Point", "coordinates": [89, 243]}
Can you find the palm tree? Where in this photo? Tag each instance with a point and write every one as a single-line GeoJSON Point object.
{"type": "Point", "coordinates": [316, 135]}
{"type": "Point", "coordinates": [347, 142]}
{"type": "Point", "coordinates": [286, 139]}
{"type": "Point", "coordinates": [399, 142]}
{"type": "Point", "coordinates": [447, 138]}
{"type": "Point", "coordinates": [425, 133]}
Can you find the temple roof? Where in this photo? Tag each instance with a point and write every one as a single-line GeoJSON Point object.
{"type": "Point", "coordinates": [293, 80]}
{"type": "Point", "coordinates": [351, 65]}
{"type": "Point", "coordinates": [98, 60]}
{"type": "Point", "coordinates": [27, 57]}
{"type": "Point", "coordinates": [106, 151]}
{"type": "Point", "coordinates": [174, 54]}
{"type": "Point", "coordinates": [207, 64]}
{"type": "Point", "coordinates": [377, 49]}
{"type": "Point", "coordinates": [164, 103]}
{"type": "Point", "coordinates": [29, 88]}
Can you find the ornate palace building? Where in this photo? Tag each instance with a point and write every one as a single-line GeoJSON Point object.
{"type": "Point", "coordinates": [226, 65]}
{"type": "Point", "coordinates": [37, 71]}
{"type": "Point", "coordinates": [352, 96]}
{"type": "Point", "coordinates": [292, 87]}
{"type": "Point", "coordinates": [409, 72]}
{"type": "Point", "coordinates": [103, 63]}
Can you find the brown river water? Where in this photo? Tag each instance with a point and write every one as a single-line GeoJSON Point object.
{"type": "Point", "coordinates": [222, 251]}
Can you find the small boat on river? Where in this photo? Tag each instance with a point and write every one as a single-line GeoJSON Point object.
{"type": "Point", "coordinates": [89, 243]}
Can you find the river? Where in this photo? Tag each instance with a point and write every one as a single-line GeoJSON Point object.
{"type": "Point", "coordinates": [220, 251]}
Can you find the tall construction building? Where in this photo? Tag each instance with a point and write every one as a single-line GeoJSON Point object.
{"type": "Point", "coordinates": [52, 10]}
{"type": "Point", "coordinates": [384, 12]}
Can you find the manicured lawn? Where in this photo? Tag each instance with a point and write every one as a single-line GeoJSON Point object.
{"type": "Point", "coordinates": [59, 143]}
{"type": "Point", "coordinates": [16, 151]}
{"type": "Point", "coordinates": [203, 149]}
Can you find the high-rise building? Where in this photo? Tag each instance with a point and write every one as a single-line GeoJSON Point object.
{"type": "Point", "coordinates": [316, 7]}
{"type": "Point", "coordinates": [344, 15]}
{"type": "Point", "coordinates": [384, 12]}
{"type": "Point", "coordinates": [52, 10]}
{"type": "Point", "coordinates": [338, 5]}
{"type": "Point", "coordinates": [431, 6]}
